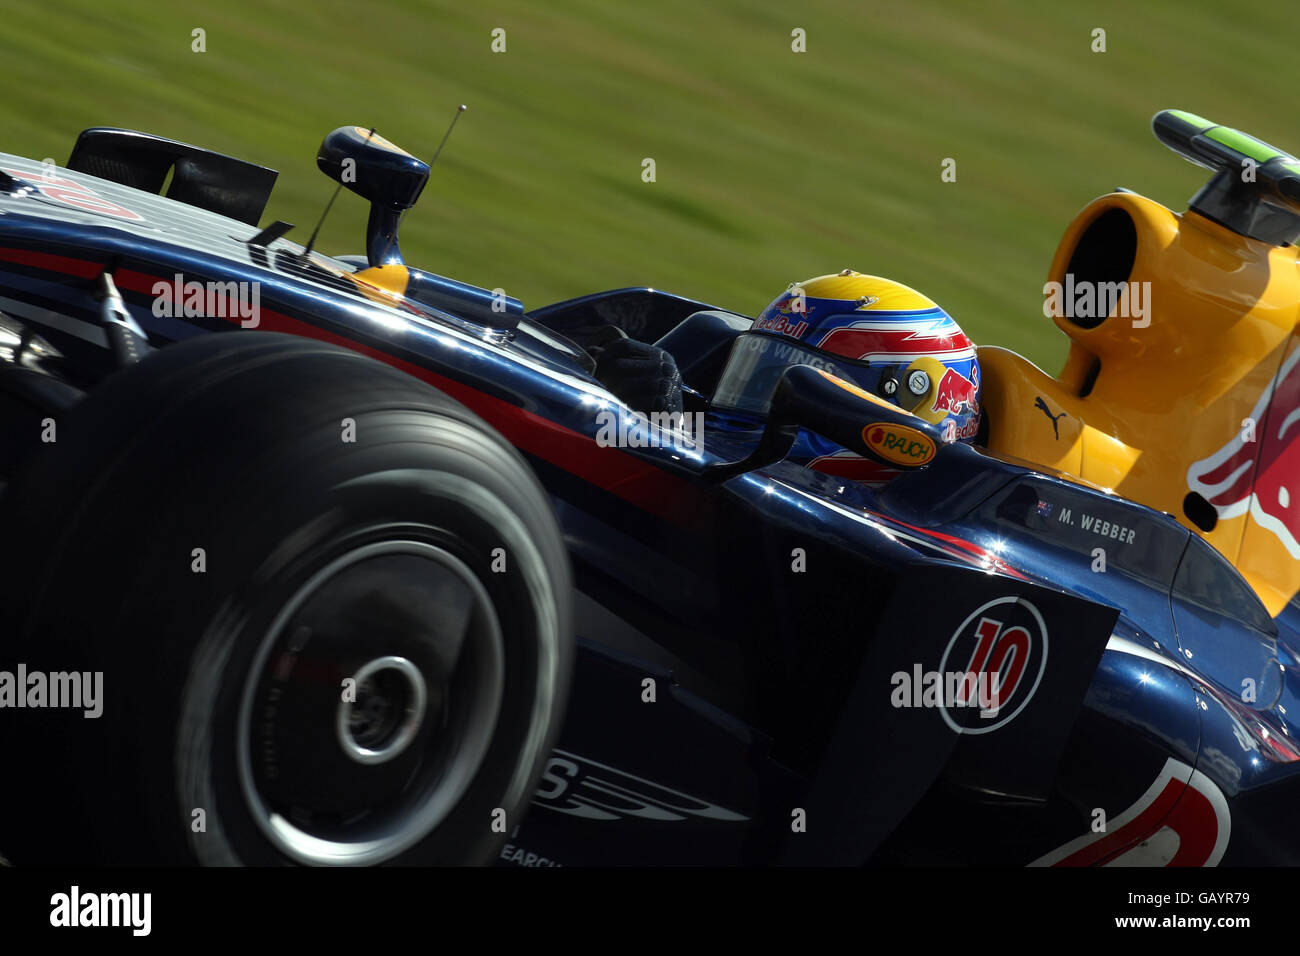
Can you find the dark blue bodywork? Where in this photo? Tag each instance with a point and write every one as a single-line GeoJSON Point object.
{"type": "Point", "coordinates": [739, 639]}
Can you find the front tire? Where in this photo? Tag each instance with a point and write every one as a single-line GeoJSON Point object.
{"type": "Point", "coordinates": [330, 607]}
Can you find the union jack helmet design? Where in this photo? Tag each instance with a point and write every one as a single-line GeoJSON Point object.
{"type": "Point", "coordinates": [879, 334]}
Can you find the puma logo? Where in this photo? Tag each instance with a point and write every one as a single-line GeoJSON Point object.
{"type": "Point", "coordinates": [1039, 403]}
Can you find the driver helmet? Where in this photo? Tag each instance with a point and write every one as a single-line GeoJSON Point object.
{"type": "Point", "coordinates": [880, 335]}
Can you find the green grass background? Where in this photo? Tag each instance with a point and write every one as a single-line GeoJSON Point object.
{"type": "Point", "coordinates": [772, 166]}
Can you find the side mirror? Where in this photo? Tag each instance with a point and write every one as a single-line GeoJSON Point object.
{"type": "Point", "coordinates": [809, 398]}
{"type": "Point", "coordinates": [389, 177]}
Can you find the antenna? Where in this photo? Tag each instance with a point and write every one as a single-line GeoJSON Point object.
{"type": "Point", "coordinates": [460, 109]}
{"type": "Point", "coordinates": [329, 205]}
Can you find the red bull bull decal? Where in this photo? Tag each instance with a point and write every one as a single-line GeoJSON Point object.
{"type": "Point", "coordinates": [955, 394]}
{"type": "Point", "coordinates": [1253, 473]}
{"type": "Point", "coordinates": [794, 302]}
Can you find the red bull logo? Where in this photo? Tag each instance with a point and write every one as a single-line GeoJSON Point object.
{"type": "Point", "coordinates": [782, 326]}
{"type": "Point", "coordinates": [955, 393]}
{"type": "Point", "coordinates": [1267, 442]}
{"type": "Point", "coordinates": [796, 302]}
{"type": "Point", "coordinates": [786, 317]}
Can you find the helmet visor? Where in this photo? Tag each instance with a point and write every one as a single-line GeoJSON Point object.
{"type": "Point", "coordinates": [757, 360]}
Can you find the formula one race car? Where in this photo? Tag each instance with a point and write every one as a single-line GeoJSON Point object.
{"type": "Point", "coordinates": [316, 590]}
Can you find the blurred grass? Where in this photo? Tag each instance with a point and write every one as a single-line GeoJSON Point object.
{"type": "Point", "coordinates": [772, 166]}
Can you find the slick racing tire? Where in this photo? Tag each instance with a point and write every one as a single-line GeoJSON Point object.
{"type": "Point", "coordinates": [330, 607]}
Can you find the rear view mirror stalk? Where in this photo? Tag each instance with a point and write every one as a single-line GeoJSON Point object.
{"type": "Point", "coordinates": [869, 426]}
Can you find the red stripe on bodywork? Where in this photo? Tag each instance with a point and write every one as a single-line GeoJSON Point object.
{"type": "Point", "coordinates": [52, 263]}
{"type": "Point", "coordinates": [632, 479]}
{"type": "Point", "coordinates": [1132, 833]}
{"type": "Point", "coordinates": [986, 556]}
{"type": "Point", "coordinates": [1187, 807]}
{"type": "Point", "coordinates": [635, 481]}
{"type": "Point", "coordinates": [1197, 826]}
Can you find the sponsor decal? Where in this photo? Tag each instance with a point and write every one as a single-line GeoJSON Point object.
{"type": "Point", "coordinates": [899, 445]}
{"type": "Point", "coordinates": [952, 433]}
{"type": "Point", "coordinates": [72, 193]}
{"type": "Point", "coordinates": [580, 787]}
{"type": "Point", "coordinates": [1041, 404]}
{"type": "Point", "coordinates": [1225, 478]}
{"type": "Point", "coordinates": [755, 348]}
{"type": "Point", "coordinates": [1181, 820]}
{"type": "Point", "coordinates": [955, 394]}
{"type": "Point", "coordinates": [1005, 639]}
{"type": "Point", "coordinates": [521, 857]}
{"type": "Point", "coordinates": [781, 325]}
{"type": "Point", "coordinates": [788, 316]}
{"type": "Point", "coordinates": [794, 302]}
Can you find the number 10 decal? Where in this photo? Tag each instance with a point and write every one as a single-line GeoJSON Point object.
{"type": "Point", "coordinates": [1004, 647]}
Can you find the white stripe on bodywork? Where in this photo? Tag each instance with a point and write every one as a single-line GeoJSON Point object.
{"type": "Point", "coordinates": [1173, 770]}
{"type": "Point", "coordinates": [1125, 646]}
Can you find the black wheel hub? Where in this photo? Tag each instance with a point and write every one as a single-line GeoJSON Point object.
{"type": "Point", "coordinates": [370, 704]}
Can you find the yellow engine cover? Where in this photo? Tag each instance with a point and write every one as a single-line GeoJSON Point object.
{"type": "Point", "coordinates": [1199, 394]}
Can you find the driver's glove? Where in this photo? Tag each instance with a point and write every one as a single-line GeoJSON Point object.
{"type": "Point", "coordinates": [642, 375]}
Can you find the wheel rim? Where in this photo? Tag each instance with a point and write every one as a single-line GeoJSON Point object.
{"type": "Point", "coordinates": [370, 704]}
{"type": "Point", "coordinates": [385, 716]}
